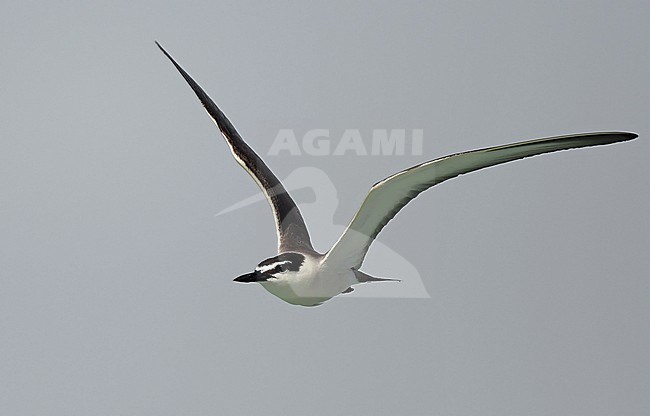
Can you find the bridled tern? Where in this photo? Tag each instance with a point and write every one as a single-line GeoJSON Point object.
{"type": "Point", "coordinates": [300, 275]}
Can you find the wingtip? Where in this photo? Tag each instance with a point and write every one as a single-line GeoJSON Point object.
{"type": "Point", "coordinates": [626, 136]}
{"type": "Point", "coordinates": [618, 136]}
{"type": "Point", "coordinates": [173, 61]}
{"type": "Point", "coordinates": [161, 48]}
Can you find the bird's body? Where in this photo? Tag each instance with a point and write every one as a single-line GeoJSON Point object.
{"type": "Point", "coordinates": [298, 274]}
{"type": "Point", "coordinates": [312, 284]}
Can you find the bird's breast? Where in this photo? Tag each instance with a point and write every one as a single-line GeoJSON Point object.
{"type": "Point", "coordinates": [309, 287]}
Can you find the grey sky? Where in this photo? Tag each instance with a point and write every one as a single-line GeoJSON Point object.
{"type": "Point", "coordinates": [116, 293]}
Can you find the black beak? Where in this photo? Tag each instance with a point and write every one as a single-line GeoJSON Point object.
{"type": "Point", "coordinates": [250, 278]}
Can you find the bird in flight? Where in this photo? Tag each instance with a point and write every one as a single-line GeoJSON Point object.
{"type": "Point", "coordinates": [300, 275]}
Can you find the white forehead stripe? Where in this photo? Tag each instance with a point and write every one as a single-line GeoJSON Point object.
{"type": "Point", "coordinates": [271, 266]}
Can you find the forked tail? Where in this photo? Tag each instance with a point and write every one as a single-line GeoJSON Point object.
{"type": "Point", "coordinates": [364, 278]}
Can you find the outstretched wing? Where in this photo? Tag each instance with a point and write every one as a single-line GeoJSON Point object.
{"type": "Point", "coordinates": [387, 197]}
{"type": "Point", "coordinates": [292, 232]}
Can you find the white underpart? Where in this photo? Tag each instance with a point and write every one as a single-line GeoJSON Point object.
{"type": "Point", "coordinates": [311, 285]}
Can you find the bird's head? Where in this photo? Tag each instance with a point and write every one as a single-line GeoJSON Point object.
{"type": "Point", "coordinates": [283, 264]}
